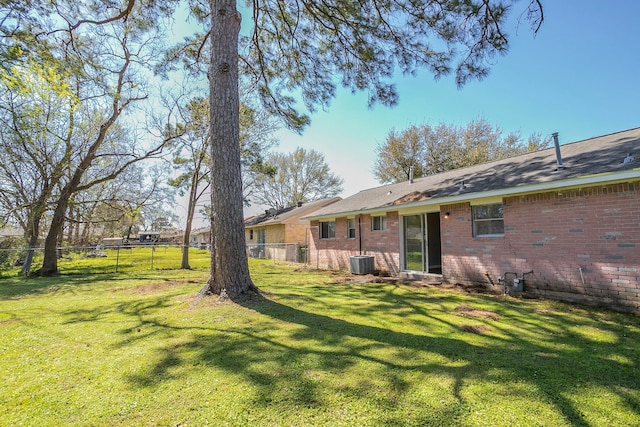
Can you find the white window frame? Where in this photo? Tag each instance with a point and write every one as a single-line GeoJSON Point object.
{"type": "Point", "coordinates": [378, 222]}
{"type": "Point", "coordinates": [351, 231]}
{"type": "Point", "coordinates": [478, 217]}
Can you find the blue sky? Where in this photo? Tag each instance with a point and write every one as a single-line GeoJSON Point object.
{"type": "Point", "coordinates": [577, 77]}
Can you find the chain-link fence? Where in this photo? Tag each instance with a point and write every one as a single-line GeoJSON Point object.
{"type": "Point", "coordinates": [100, 259]}
{"type": "Point", "coordinates": [289, 252]}
{"type": "Point", "coordinates": [130, 258]}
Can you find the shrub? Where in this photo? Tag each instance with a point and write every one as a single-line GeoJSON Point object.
{"type": "Point", "coordinates": [8, 252]}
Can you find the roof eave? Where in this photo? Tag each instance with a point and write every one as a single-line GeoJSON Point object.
{"type": "Point", "coordinates": [581, 181]}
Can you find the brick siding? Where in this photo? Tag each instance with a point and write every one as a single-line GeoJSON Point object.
{"type": "Point", "coordinates": [579, 245]}
{"type": "Point", "coordinates": [382, 245]}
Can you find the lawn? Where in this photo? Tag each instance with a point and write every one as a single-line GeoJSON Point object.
{"type": "Point", "coordinates": [316, 348]}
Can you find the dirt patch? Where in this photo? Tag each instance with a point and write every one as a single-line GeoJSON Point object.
{"type": "Point", "coordinates": [159, 286]}
{"type": "Point", "coordinates": [363, 278]}
{"type": "Point", "coordinates": [466, 311]}
{"type": "Point", "coordinates": [475, 329]}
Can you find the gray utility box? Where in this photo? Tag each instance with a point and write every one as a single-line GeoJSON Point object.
{"type": "Point", "coordinates": [518, 284]}
{"type": "Point", "coordinates": [361, 264]}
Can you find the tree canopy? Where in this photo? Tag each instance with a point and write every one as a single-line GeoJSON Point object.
{"type": "Point", "coordinates": [295, 50]}
{"type": "Point", "coordinates": [300, 176]}
{"type": "Point", "coordinates": [303, 49]}
{"type": "Point", "coordinates": [425, 150]}
{"type": "Point", "coordinates": [93, 60]}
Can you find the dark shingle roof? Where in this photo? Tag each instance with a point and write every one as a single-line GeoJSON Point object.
{"type": "Point", "coordinates": [289, 214]}
{"type": "Point", "coordinates": [600, 155]}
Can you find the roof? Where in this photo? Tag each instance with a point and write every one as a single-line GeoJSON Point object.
{"type": "Point", "coordinates": [597, 160]}
{"type": "Point", "coordinates": [290, 214]}
{"type": "Point", "coordinates": [11, 232]}
{"type": "Point", "coordinates": [201, 230]}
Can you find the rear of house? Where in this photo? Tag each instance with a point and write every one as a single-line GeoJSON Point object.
{"type": "Point", "coordinates": [200, 238]}
{"type": "Point", "coordinates": [281, 234]}
{"type": "Point", "coordinates": [561, 224]}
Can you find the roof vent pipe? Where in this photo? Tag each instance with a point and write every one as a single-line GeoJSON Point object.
{"type": "Point", "coordinates": [558, 155]}
{"type": "Point", "coordinates": [411, 174]}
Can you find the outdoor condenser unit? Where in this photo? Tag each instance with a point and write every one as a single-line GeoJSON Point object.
{"type": "Point", "coordinates": [361, 264]}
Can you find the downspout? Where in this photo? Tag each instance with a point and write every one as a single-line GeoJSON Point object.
{"type": "Point", "coordinates": [317, 246]}
{"type": "Point", "coordinates": [359, 236]}
{"type": "Point", "coordinates": [306, 244]}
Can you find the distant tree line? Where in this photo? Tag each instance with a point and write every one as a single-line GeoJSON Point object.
{"type": "Point", "coordinates": [422, 150]}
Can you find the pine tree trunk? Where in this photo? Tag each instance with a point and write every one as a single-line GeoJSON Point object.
{"type": "Point", "coordinates": [229, 266]}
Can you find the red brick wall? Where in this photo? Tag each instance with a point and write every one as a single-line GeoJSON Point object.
{"type": "Point", "coordinates": [581, 245]}
{"type": "Point", "coordinates": [383, 245]}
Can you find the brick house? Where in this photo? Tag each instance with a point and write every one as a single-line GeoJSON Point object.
{"type": "Point", "coordinates": [560, 223]}
{"type": "Point", "coordinates": [279, 234]}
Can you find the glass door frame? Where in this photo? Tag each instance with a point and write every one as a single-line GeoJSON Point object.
{"type": "Point", "coordinates": [428, 234]}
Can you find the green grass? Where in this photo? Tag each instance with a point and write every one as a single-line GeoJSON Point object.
{"type": "Point", "coordinates": [139, 349]}
{"type": "Point", "coordinates": [135, 259]}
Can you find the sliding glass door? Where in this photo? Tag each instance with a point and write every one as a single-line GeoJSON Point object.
{"type": "Point", "coordinates": [422, 250]}
{"type": "Point", "coordinates": [414, 240]}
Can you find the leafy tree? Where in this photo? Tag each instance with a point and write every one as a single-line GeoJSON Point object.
{"type": "Point", "coordinates": [98, 50]}
{"type": "Point", "coordinates": [106, 209]}
{"type": "Point", "coordinates": [304, 49]}
{"type": "Point", "coordinates": [426, 150]}
{"type": "Point", "coordinates": [8, 247]}
{"type": "Point", "coordinates": [37, 103]}
{"type": "Point", "coordinates": [301, 176]}
{"type": "Point", "coordinates": [191, 156]}
{"type": "Point", "coordinates": [401, 156]}
{"type": "Point", "coordinates": [256, 138]}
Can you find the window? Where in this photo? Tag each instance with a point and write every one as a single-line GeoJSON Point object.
{"type": "Point", "coordinates": [250, 234]}
{"type": "Point", "coordinates": [487, 220]}
{"type": "Point", "coordinates": [328, 230]}
{"type": "Point", "coordinates": [379, 222]}
{"type": "Point", "coordinates": [351, 228]}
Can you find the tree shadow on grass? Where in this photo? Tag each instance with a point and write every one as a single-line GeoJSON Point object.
{"type": "Point", "coordinates": [316, 346]}
{"type": "Point", "coordinates": [17, 287]}
{"type": "Point", "coordinates": [555, 375]}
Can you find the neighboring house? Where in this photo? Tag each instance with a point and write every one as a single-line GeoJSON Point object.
{"type": "Point", "coordinates": [11, 233]}
{"type": "Point", "coordinates": [200, 238]}
{"type": "Point", "coordinates": [148, 237]}
{"type": "Point", "coordinates": [112, 242]}
{"type": "Point", "coordinates": [564, 223]}
{"type": "Point", "coordinates": [171, 236]}
{"type": "Point", "coordinates": [278, 234]}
